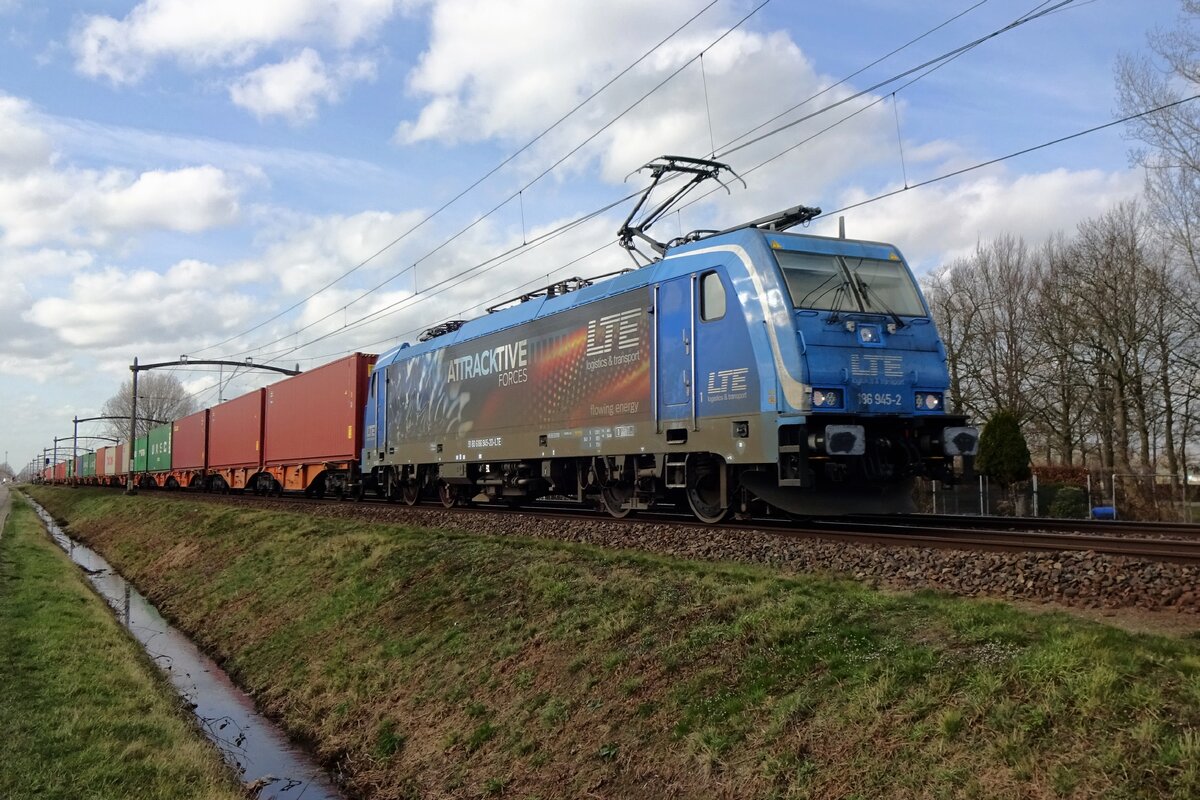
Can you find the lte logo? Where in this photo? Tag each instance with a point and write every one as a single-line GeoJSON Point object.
{"type": "Point", "coordinates": [614, 332]}
{"type": "Point", "coordinates": [728, 381]}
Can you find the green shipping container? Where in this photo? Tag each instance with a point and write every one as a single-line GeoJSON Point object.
{"type": "Point", "coordinates": [139, 454]}
{"type": "Point", "coordinates": [160, 448]}
{"type": "Point", "coordinates": [89, 465]}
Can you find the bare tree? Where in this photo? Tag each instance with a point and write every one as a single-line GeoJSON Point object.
{"type": "Point", "coordinates": [981, 305]}
{"type": "Point", "coordinates": [1062, 416]}
{"type": "Point", "coordinates": [1170, 138]}
{"type": "Point", "coordinates": [161, 397]}
{"type": "Point", "coordinates": [948, 292]}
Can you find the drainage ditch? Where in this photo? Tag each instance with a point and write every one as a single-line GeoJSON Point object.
{"type": "Point", "coordinates": [259, 751]}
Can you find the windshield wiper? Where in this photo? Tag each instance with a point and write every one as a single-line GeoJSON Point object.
{"type": "Point", "coordinates": [864, 291]}
{"type": "Point", "coordinates": [820, 287]}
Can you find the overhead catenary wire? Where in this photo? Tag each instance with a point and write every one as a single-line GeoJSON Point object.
{"type": "Point", "coordinates": [958, 172]}
{"type": "Point", "coordinates": [453, 280]}
{"type": "Point", "coordinates": [1015, 154]}
{"type": "Point", "coordinates": [932, 65]}
{"type": "Point", "coordinates": [929, 67]}
{"type": "Point", "coordinates": [493, 299]}
{"type": "Point", "coordinates": [524, 188]}
{"type": "Point", "coordinates": [1026, 18]}
{"type": "Point", "coordinates": [853, 75]}
{"type": "Point", "coordinates": [369, 317]}
{"type": "Point", "coordinates": [505, 162]}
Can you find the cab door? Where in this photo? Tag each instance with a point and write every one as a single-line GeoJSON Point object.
{"type": "Point", "coordinates": [675, 355]}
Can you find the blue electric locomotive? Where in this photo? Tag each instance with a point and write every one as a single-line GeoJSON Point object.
{"type": "Point", "coordinates": [743, 367]}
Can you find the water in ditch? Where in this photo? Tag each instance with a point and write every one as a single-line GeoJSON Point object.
{"type": "Point", "coordinates": [252, 744]}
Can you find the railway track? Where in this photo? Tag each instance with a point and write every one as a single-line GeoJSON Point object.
{"type": "Point", "coordinates": [1171, 542]}
{"type": "Point", "coordinates": [1080, 566]}
{"type": "Point", "coordinates": [1185, 530]}
{"type": "Point", "coordinates": [1013, 538]}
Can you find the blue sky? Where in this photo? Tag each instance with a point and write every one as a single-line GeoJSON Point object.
{"type": "Point", "coordinates": [173, 174]}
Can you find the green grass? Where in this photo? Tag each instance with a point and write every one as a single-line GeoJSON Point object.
{"type": "Point", "coordinates": [84, 713]}
{"type": "Point", "coordinates": [528, 668]}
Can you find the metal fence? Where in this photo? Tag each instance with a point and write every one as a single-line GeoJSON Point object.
{"type": "Point", "coordinates": [1095, 496]}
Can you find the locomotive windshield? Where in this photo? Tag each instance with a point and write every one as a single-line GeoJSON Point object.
{"type": "Point", "coordinates": [837, 283]}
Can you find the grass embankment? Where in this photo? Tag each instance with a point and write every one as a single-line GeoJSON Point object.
{"type": "Point", "coordinates": [83, 712]}
{"type": "Point", "coordinates": [432, 665]}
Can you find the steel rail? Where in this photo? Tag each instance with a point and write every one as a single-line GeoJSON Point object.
{"type": "Point", "coordinates": [904, 532]}
{"type": "Point", "coordinates": [1032, 524]}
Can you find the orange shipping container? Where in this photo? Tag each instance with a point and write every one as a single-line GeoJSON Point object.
{"type": "Point", "coordinates": [316, 416]}
{"type": "Point", "coordinates": [189, 439]}
{"type": "Point", "coordinates": [235, 432]}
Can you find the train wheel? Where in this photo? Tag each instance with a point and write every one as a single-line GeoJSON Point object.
{"type": "Point", "coordinates": [410, 493]}
{"type": "Point", "coordinates": [448, 494]}
{"type": "Point", "coordinates": [613, 499]}
{"type": "Point", "coordinates": [707, 495]}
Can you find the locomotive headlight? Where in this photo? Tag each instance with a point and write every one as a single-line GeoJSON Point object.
{"type": "Point", "coordinates": [928, 401]}
{"type": "Point", "coordinates": [868, 334]}
{"type": "Point", "coordinates": [826, 398]}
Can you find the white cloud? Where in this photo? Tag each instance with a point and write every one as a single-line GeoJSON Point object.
{"type": "Point", "coordinates": [112, 307]}
{"type": "Point", "coordinates": [25, 145]}
{"type": "Point", "coordinates": [77, 206]}
{"type": "Point", "coordinates": [507, 71]}
{"type": "Point", "coordinates": [306, 252]}
{"type": "Point", "coordinates": [41, 201]}
{"type": "Point", "coordinates": [216, 32]}
{"type": "Point", "coordinates": [511, 68]}
{"type": "Point", "coordinates": [22, 264]}
{"type": "Point", "coordinates": [935, 224]}
{"type": "Point", "coordinates": [293, 89]}
{"type": "Point", "coordinates": [188, 200]}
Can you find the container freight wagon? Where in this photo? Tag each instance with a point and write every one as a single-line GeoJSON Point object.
{"type": "Point", "coordinates": [235, 434]}
{"type": "Point", "coordinates": [103, 464]}
{"type": "Point", "coordinates": [60, 472]}
{"type": "Point", "coordinates": [139, 456]}
{"type": "Point", "coordinates": [118, 467]}
{"type": "Point", "coordinates": [158, 457]}
{"type": "Point", "coordinates": [313, 429]}
{"type": "Point", "coordinates": [189, 451]}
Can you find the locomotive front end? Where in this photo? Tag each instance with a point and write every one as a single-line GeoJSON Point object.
{"type": "Point", "coordinates": [873, 412]}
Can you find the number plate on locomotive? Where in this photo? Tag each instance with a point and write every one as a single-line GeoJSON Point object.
{"type": "Point", "coordinates": [879, 399]}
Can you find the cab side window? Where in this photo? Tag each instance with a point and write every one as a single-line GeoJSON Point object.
{"type": "Point", "coordinates": [712, 297]}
